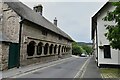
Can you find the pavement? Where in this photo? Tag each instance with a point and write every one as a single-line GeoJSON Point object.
{"type": "Point", "coordinates": [88, 66]}
{"type": "Point", "coordinates": [0, 74]}
{"type": "Point", "coordinates": [91, 71]}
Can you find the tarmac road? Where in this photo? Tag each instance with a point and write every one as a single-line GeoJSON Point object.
{"type": "Point", "coordinates": [67, 69]}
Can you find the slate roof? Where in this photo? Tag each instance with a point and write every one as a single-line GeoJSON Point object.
{"type": "Point", "coordinates": [30, 15]}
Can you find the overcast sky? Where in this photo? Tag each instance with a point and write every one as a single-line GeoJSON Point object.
{"type": "Point", "coordinates": [73, 17]}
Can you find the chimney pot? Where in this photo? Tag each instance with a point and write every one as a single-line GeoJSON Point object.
{"type": "Point", "coordinates": [55, 21]}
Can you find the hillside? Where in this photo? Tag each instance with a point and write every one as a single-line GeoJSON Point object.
{"type": "Point", "coordinates": [82, 43]}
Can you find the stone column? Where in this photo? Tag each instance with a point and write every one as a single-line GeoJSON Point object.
{"type": "Point", "coordinates": [61, 51]}
{"type": "Point", "coordinates": [42, 51]}
{"type": "Point", "coordinates": [35, 53]}
{"type": "Point", "coordinates": [52, 50]}
{"type": "Point", "coordinates": [57, 50]}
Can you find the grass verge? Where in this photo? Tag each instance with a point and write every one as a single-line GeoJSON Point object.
{"type": "Point", "coordinates": [110, 72]}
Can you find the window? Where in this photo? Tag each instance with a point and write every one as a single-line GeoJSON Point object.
{"type": "Point", "coordinates": [0, 18]}
{"type": "Point", "coordinates": [60, 38]}
{"type": "Point", "coordinates": [107, 52]}
{"type": "Point", "coordinates": [44, 32]}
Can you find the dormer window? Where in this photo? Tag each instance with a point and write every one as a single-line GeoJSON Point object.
{"type": "Point", "coordinates": [44, 32]}
{"type": "Point", "coordinates": [60, 38]}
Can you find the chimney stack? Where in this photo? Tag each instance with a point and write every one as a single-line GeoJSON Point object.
{"type": "Point", "coordinates": [55, 21]}
{"type": "Point", "coordinates": [38, 9]}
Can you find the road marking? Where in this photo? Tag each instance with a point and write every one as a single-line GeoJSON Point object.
{"type": "Point", "coordinates": [82, 68]}
{"type": "Point", "coordinates": [22, 74]}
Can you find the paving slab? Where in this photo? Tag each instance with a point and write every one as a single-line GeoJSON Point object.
{"type": "Point", "coordinates": [92, 71]}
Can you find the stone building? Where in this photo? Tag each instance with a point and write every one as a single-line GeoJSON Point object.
{"type": "Point", "coordinates": [27, 37]}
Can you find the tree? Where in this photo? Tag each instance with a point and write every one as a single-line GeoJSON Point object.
{"type": "Point", "coordinates": [113, 31]}
{"type": "Point", "coordinates": [87, 48]}
{"type": "Point", "coordinates": [76, 49]}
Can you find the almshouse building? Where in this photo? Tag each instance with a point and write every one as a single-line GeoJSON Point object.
{"type": "Point", "coordinates": [27, 37]}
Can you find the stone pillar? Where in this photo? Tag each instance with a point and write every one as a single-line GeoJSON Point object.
{"type": "Point", "coordinates": [52, 50]}
{"type": "Point", "coordinates": [35, 53]}
{"type": "Point", "coordinates": [57, 50]}
{"type": "Point", "coordinates": [63, 51]}
{"type": "Point", "coordinates": [60, 51]}
{"type": "Point", "coordinates": [42, 51]}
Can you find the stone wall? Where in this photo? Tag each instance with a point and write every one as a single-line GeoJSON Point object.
{"type": "Point", "coordinates": [0, 56]}
{"type": "Point", "coordinates": [10, 24]}
{"type": "Point", "coordinates": [9, 28]}
{"type": "Point", "coordinates": [30, 32]}
{"type": "Point", "coordinates": [40, 60]}
{"type": "Point", "coordinates": [5, 55]}
{"type": "Point", "coordinates": [0, 15]}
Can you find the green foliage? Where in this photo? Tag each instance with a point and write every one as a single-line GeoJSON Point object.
{"type": "Point", "coordinates": [87, 49]}
{"type": "Point", "coordinates": [76, 49]}
{"type": "Point", "coordinates": [113, 31]}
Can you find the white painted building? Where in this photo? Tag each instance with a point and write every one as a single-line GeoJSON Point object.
{"type": "Point", "coordinates": [104, 54]}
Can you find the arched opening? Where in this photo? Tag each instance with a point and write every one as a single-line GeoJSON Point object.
{"type": "Point", "coordinates": [46, 48]}
{"type": "Point", "coordinates": [62, 49]}
{"type": "Point", "coordinates": [55, 49]}
{"type": "Point", "coordinates": [31, 48]}
{"type": "Point", "coordinates": [65, 49]}
{"type": "Point", "coordinates": [59, 49]}
{"type": "Point", "coordinates": [39, 48]}
{"type": "Point", "coordinates": [51, 49]}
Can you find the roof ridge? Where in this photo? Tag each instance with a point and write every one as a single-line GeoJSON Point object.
{"type": "Point", "coordinates": [30, 15]}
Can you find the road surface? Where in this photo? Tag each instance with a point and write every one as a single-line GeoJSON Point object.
{"type": "Point", "coordinates": [66, 69]}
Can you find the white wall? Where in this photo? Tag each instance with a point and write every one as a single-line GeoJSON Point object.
{"type": "Point", "coordinates": [119, 57]}
{"type": "Point", "coordinates": [103, 41]}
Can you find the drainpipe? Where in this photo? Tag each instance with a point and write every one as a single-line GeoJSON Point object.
{"type": "Point", "coordinates": [20, 31]}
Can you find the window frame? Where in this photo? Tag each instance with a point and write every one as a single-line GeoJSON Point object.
{"type": "Point", "coordinates": [44, 32]}
{"type": "Point", "coordinates": [107, 51]}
